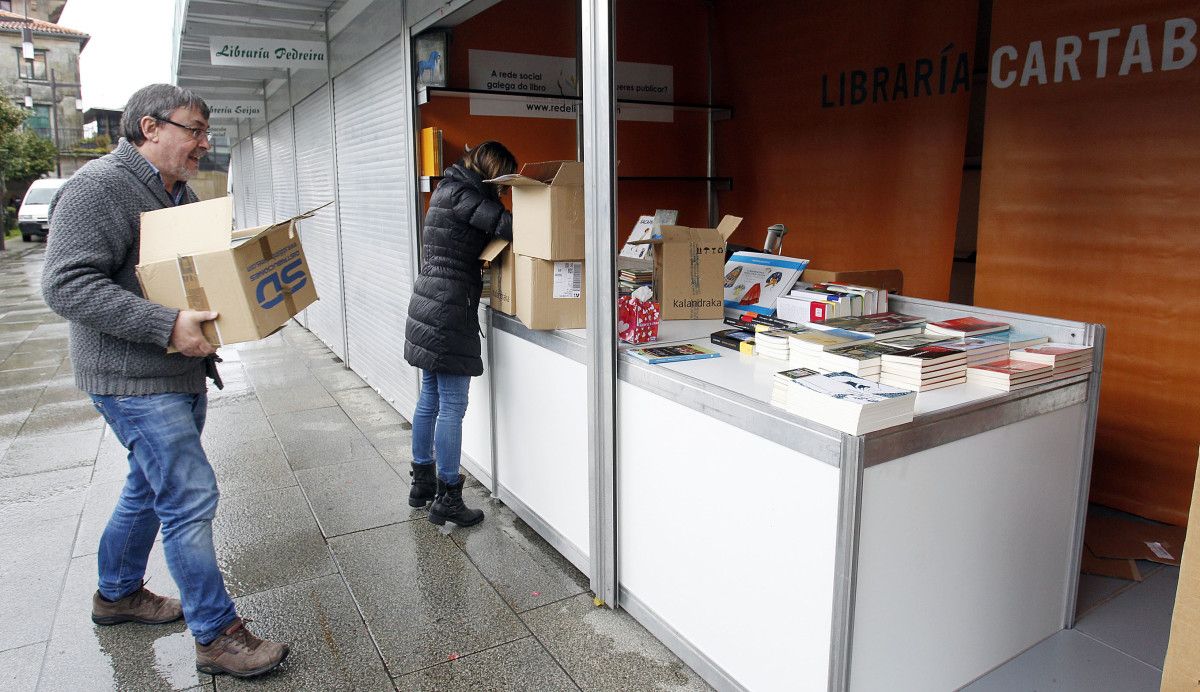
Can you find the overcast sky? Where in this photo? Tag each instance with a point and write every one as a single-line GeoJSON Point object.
{"type": "Point", "coordinates": [130, 46]}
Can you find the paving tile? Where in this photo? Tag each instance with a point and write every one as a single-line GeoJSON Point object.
{"type": "Point", "coordinates": [518, 563]}
{"type": "Point", "coordinates": [241, 421]}
{"type": "Point", "coordinates": [517, 666]}
{"type": "Point", "coordinates": [43, 496]}
{"type": "Point", "coordinates": [1095, 590]}
{"type": "Point", "coordinates": [19, 401]}
{"type": "Point", "coordinates": [394, 444]}
{"type": "Point", "coordinates": [367, 409]}
{"type": "Point", "coordinates": [331, 648]}
{"type": "Point", "coordinates": [112, 459]}
{"type": "Point", "coordinates": [248, 465]}
{"type": "Point", "coordinates": [20, 379]}
{"type": "Point", "coordinates": [1138, 621]}
{"type": "Point", "coordinates": [1070, 661]}
{"type": "Point", "coordinates": [36, 556]}
{"type": "Point", "coordinates": [421, 596]}
{"type": "Point", "coordinates": [336, 377]}
{"type": "Point", "coordinates": [85, 656]}
{"type": "Point", "coordinates": [97, 508]}
{"type": "Point", "coordinates": [321, 437]}
{"type": "Point", "coordinates": [54, 419]}
{"type": "Point", "coordinates": [356, 496]}
{"type": "Point", "coordinates": [19, 668]}
{"type": "Point", "coordinates": [38, 359]}
{"type": "Point", "coordinates": [62, 389]}
{"type": "Point", "coordinates": [603, 649]}
{"type": "Point", "coordinates": [302, 396]}
{"type": "Point", "coordinates": [40, 454]}
{"type": "Point", "coordinates": [268, 539]}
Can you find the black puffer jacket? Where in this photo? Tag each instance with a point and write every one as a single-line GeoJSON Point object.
{"type": "Point", "coordinates": [442, 334]}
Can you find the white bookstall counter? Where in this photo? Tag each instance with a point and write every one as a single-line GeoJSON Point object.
{"type": "Point", "coordinates": [773, 553]}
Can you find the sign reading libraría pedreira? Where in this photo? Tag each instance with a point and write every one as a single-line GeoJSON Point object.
{"type": "Point", "coordinates": [265, 52]}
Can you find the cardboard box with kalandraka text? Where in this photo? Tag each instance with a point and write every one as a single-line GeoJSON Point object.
{"type": "Point", "coordinates": [547, 209]}
{"type": "Point", "coordinates": [256, 279]}
{"type": "Point", "coordinates": [689, 270]}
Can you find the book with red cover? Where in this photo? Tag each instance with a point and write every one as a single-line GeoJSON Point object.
{"type": "Point", "coordinates": [966, 326]}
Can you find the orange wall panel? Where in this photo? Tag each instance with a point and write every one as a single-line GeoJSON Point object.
{"type": "Point", "coordinates": [868, 186]}
{"type": "Point", "coordinates": [1088, 211]}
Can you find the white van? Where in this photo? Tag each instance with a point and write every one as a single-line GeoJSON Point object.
{"type": "Point", "coordinates": [33, 216]}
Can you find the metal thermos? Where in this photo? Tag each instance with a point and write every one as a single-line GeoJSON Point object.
{"type": "Point", "coordinates": [774, 241]}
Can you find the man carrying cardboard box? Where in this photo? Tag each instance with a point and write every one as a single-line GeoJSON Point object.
{"type": "Point", "coordinates": [153, 400]}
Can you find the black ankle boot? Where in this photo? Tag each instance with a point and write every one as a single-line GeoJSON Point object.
{"type": "Point", "coordinates": [424, 485]}
{"type": "Point", "coordinates": [448, 506]}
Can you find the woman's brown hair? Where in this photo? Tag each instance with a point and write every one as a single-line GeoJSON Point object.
{"type": "Point", "coordinates": [490, 159]}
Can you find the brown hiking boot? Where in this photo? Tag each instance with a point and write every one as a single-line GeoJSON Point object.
{"type": "Point", "coordinates": [239, 653]}
{"type": "Point", "coordinates": [140, 606]}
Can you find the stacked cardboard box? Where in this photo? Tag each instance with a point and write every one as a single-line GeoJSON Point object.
{"type": "Point", "coordinates": [539, 276]}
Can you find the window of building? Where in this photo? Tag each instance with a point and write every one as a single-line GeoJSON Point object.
{"type": "Point", "coordinates": [34, 70]}
{"type": "Point", "coordinates": [39, 120]}
{"type": "Point", "coordinates": [6, 5]}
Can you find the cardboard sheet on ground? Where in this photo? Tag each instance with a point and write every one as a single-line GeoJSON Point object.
{"type": "Point", "coordinates": [1118, 537]}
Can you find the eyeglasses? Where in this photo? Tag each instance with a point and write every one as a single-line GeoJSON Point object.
{"type": "Point", "coordinates": [196, 132]}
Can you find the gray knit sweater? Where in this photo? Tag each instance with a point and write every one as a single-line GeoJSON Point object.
{"type": "Point", "coordinates": [118, 338]}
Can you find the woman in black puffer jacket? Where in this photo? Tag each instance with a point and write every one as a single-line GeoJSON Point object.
{"type": "Point", "coordinates": [442, 334]}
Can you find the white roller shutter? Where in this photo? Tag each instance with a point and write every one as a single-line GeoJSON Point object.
{"type": "Point", "coordinates": [374, 170]}
{"type": "Point", "coordinates": [264, 195]}
{"type": "Point", "coordinates": [245, 187]}
{"type": "Point", "coordinates": [283, 166]}
{"type": "Point", "coordinates": [314, 172]}
{"type": "Point", "coordinates": [236, 173]}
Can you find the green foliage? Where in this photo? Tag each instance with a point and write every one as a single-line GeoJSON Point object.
{"type": "Point", "coordinates": [26, 156]}
{"type": "Point", "coordinates": [101, 143]}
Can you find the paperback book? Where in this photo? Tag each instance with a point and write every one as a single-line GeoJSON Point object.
{"type": "Point", "coordinates": [881, 325]}
{"type": "Point", "coordinates": [850, 403]}
{"type": "Point", "coordinates": [739, 340]}
{"type": "Point", "coordinates": [966, 326]}
{"type": "Point", "coordinates": [670, 354]}
{"type": "Point", "coordinates": [754, 280]}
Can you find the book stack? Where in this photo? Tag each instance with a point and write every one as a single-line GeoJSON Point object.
{"type": "Point", "coordinates": [850, 403]}
{"type": "Point", "coordinates": [773, 343]}
{"type": "Point", "coordinates": [923, 368]}
{"type": "Point", "coordinates": [966, 326]}
{"type": "Point", "coordinates": [1007, 374]}
{"type": "Point", "coordinates": [1065, 359]}
{"type": "Point", "coordinates": [806, 348]}
{"type": "Point", "coordinates": [630, 279]}
{"type": "Point", "coordinates": [857, 359]}
{"type": "Point", "coordinates": [978, 350]}
{"type": "Point", "coordinates": [671, 354]}
{"type": "Point", "coordinates": [1015, 339]}
{"type": "Point", "coordinates": [903, 343]}
{"type": "Point", "coordinates": [782, 383]}
{"type": "Point", "coordinates": [881, 325]}
{"type": "Point", "coordinates": [740, 340]}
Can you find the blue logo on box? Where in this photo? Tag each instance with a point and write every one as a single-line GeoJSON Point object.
{"type": "Point", "coordinates": [270, 290]}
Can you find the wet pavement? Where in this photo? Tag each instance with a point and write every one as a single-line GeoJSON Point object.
{"type": "Point", "coordinates": [314, 535]}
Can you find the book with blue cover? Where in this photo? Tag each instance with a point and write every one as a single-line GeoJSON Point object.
{"type": "Point", "coordinates": [755, 280]}
{"type": "Point", "coordinates": [671, 354]}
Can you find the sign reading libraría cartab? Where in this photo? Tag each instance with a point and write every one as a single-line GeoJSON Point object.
{"type": "Point", "coordinates": [265, 52]}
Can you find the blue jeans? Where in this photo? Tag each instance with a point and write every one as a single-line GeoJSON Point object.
{"type": "Point", "coordinates": [437, 422]}
{"type": "Point", "coordinates": [170, 481]}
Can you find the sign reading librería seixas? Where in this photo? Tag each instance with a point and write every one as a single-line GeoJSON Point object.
{"type": "Point", "coordinates": [234, 109]}
{"type": "Point", "coordinates": [265, 52]}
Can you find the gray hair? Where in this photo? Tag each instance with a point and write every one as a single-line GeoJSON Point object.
{"type": "Point", "coordinates": [156, 101]}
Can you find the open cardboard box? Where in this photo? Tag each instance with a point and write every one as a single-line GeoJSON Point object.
{"type": "Point", "coordinates": [689, 270]}
{"type": "Point", "coordinates": [547, 201]}
{"type": "Point", "coordinates": [256, 278]}
{"type": "Point", "coordinates": [502, 267]}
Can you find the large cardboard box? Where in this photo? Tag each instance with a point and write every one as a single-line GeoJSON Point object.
{"type": "Point", "coordinates": [547, 209]}
{"type": "Point", "coordinates": [255, 278]}
{"type": "Point", "coordinates": [890, 279]}
{"type": "Point", "coordinates": [549, 294]}
{"type": "Point", "coordinates": [502, 268]}
{"type": "Point", "coordinates": [1181, 671]}
{"type": "Point", "coordinates": [689, 265]}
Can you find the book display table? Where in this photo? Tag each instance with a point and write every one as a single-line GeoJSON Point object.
{"type": "Point", "coordinates": [774, 553]}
